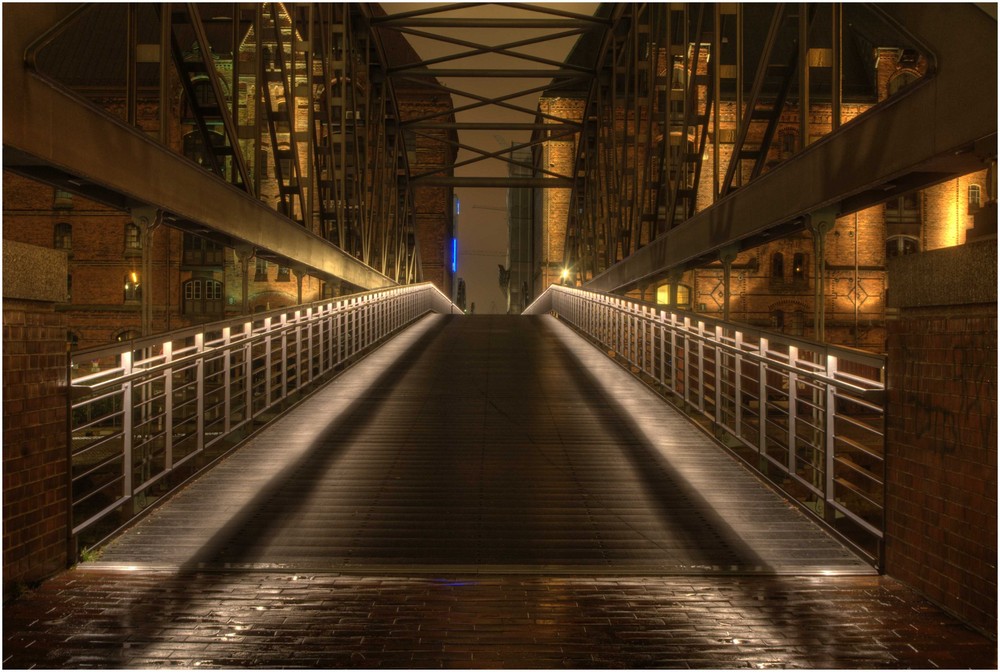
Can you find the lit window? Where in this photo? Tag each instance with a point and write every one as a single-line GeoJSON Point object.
{"type": "Point", "coordinates": [975, 197]}
{"type": "Point", "coordinates": [133, 238]}
{"type": "Point", "coordinates": [799, 266]}
{"type": "Point", "coordinates": [64, 236]}
{"type": "Point", "coordinates": [260, 273]}
{"type": "Point", "coordinates": [897, 246]}
{"type": "Point", "coordinates": [133, 291]}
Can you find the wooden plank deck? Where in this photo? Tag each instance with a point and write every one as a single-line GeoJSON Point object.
{"type": "Point", "coordinates": [483, 444]}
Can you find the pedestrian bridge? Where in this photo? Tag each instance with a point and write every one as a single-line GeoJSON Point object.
{"type": "Point", "coordinates": [388, 433]}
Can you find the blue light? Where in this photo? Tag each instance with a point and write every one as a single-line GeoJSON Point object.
{"type": "Point", "coordinates": [454, 255]}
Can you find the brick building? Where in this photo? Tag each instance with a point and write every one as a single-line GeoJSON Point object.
{"type": "Point", "coordinates": [187, 278]}
{"type": "Point", "coordinates": [773, 285]}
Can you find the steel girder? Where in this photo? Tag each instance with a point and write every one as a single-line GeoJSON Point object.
{"type": "Point", "coordinates": [529, 75]}
{"type": "Point", "coordinates": [942, 126]}
{"type": "Point", "coordinates": [299, 81]}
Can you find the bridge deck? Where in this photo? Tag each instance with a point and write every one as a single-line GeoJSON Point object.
{"type": "Point", "coordinates": [482, 444]}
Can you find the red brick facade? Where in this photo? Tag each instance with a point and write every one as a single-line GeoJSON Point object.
{"type": "Point", "coordinates": [941, 526]}
{"type": "Point", "coordinates": [35, 487]}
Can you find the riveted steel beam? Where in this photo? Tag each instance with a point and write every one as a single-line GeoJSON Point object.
{"type": "Point", "coordinates": [48, 127]}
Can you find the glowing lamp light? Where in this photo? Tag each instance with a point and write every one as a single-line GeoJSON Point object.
{"type": "Point", "coordinates": [135, 278]}
{"type": "Point", "coordinates": [565, 274]}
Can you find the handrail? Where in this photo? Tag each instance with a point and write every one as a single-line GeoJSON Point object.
{"type": "Point", "coordinates": [149, 413]}
{"type": "Point", "coordinates": [808, 416]}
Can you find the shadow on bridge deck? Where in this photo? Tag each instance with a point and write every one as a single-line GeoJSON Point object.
{"type": "Point", "coordinates": [480, 493]}
{"type": "Point", "coordinates": [483, 444]}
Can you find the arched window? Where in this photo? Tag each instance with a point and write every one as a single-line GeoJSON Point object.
{"type": "Point", "coordinates": [64, 236]}
{"type": "Point", "coordinates": [683, 296]}
{"type": "Point", "coordinates": [799, 266]}
{"type": "Point", "coordinates": [126, 335]}
{"type": "Point", "coordinates": [777, 267]}
{"type": "Point", "coordinates": [133, 238]}
{"type": "Point", "coordinates": [194, 147]}
{"type": "Point", "coordinates": [975, 198]}
{"type": "Point", "coordinates": [897, 246]}
{"type": "Point", "coordinates": [778, 319]}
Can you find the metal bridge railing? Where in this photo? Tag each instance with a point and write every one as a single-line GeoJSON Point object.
{"type": "Point", "coordinates": [146, 414]}
{"type": "Point", "coordinates": [808, 416]}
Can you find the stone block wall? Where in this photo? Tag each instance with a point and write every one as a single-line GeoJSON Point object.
{"type": "Point", "coordinates": [941, 446]}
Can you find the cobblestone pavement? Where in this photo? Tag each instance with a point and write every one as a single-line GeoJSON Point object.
{"type": "Point", "coordinates": [155, 619]}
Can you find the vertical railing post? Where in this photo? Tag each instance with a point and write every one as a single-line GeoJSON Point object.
{"type": "Point", "coordinates": [793, 383]}
{"type": "Point", "coordinates": [227, 380]}
{"type": "Point", "coordinates": [127, 456]}
{"type": "Point", "coordinates": [248, 370]}
{"type": "Point", "coordinates": [267, 362]}
{"type": "Point", "coordinates": [168, 405]}
{"type": "Point", "coordinates": [829, 430]}
{"type": "Point", "coordinates": [738, 383]}
{"type": "Point", "coordinates": [719, 350]}
{"type": "Point", "coordinates": [199, 347]}
{"type": "Point", "coordinates": [762, 396]}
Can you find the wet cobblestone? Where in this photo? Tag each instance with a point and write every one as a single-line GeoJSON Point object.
{"type": "Point", "coordinates": [149, 619]}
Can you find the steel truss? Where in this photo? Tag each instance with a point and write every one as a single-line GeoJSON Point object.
{"type": "Point", "coordinates": [653, 153]}
{"type": "Point", "coordinates": [285, 101]}
{"type": "Point", "coordinates": [529, 75]}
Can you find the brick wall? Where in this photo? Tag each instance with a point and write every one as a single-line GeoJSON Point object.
{"type": "Point", "coordinates": [941, 448]}
{"type": "Point", "coordinates": [35, 491]}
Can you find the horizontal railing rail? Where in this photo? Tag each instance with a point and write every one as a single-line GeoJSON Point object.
{"type": "Point", "coordinates": [810, 417]}
{"type": "Point", "coordinates": [147, 414]}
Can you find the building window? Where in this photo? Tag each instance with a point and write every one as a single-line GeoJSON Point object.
{"type": "Point", "coordinates": [260, 274]}
{"type": "Point", "coordinates": [194, 147]}
{"type": "Point", "coordinates": [64, 236]}
{"type": "Point", "coordinates": [797, 326]}
{"type": "Point", "coordinates": [133, 290]}
{"type": "Point", "coordinates": [778, 320]}
{"type": "Point", "coordinates": [201, 252]}
{"type": "Point", "coordinates": [787, 146]}
{"type": "Point", "coordinates": [133, 239]}
{"type": "Point", "coordinates": [284, 274]}
{"type": "Point", "coordinates": [69, 286]}
{"type": "Point", "coordinates": [903, 209]}
{"type": "Point", "coordinates": [203, 296]}
{"type": "Point", "coordinates": [126, 335]}
{"type": "Point", "coordinates": [778, 267]}
{"type": "Point", "coordinates": [63, 200]}
{"type": "Point", "coordinates": [72, 339]}
{"type": "Point", "coordinates": [683, 296]}
{"type": "Point", "coordinates": [975, 198]}
{"type": "Point", "coordinates": [897, 246]}
{"type": "Point", "coordinates": [799, 266]}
